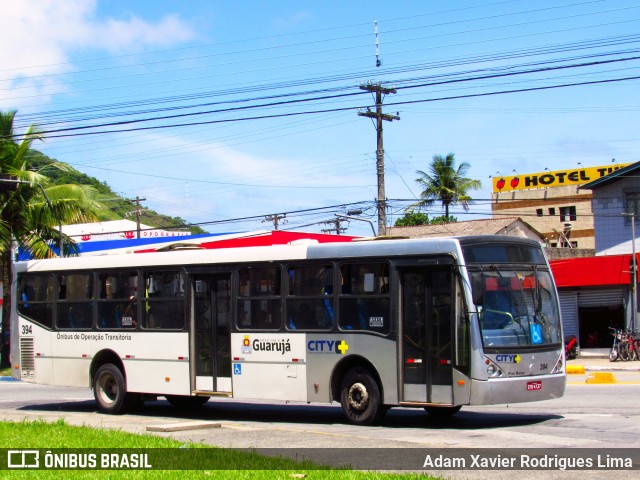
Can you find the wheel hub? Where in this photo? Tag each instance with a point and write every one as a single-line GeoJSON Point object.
{"type": "Point", "coordinates": [358, 397]}
{"type": "Point", "coordinates": [108, 389]}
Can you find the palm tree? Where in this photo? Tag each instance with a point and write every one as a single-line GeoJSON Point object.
{"type": "Point", "coordinates": [445, 183]}
{"type": "Point", "coordinates": [31, 211]}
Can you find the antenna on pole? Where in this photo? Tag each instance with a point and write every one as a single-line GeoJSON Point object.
{"type": "Point", "coordinates": [375, 29]}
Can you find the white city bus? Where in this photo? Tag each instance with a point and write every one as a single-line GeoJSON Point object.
{"type": "Point", "coordinates": [430, 323]}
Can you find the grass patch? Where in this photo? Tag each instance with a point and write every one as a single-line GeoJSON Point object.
{"type": "Point", "coordinates": [236, 464]}
{"type": "Point", "coordinates": [5, 372]}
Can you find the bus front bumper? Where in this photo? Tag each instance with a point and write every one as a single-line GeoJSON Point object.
{"type": "Point", "coordinates": [517, 389]}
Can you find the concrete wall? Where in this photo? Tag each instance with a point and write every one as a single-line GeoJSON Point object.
{"type": "Point", "coordinates": [528, 203]}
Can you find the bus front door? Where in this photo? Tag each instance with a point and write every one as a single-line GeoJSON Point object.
{"type": "Point", "coordinates": [211, 323]}
{"type": "Point", "coordinates": [427, 309]}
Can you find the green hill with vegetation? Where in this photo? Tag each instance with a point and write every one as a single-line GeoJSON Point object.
{"type": "Point", "coordinates": [118, 207]}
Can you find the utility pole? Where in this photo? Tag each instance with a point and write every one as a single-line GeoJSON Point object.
{"type": "Point", "coordinates": [379, 91]}
{"type": "Point", "coordinates": [275, 218]}
{"type": "Point", "coordinates": [337, 226]}
{"type": "Point", "coordinates": [632, 322]}
{"type": "Point", "coordinates": [137, 211]}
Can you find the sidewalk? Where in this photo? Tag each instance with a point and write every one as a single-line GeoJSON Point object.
{"type": "Point", "coordinates": [597, 359]}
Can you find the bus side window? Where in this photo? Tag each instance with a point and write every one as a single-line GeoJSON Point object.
{"type": "Point", "coordinates": [365, 302]}
{"type": "Point", "coordinates": [36, 297]}
{"type": "Point", "coordinates": [309, 299]}
{"type": "Point", "coordinates": [164, 305]}
{"type": "Point", "coordinates": [75, 302]}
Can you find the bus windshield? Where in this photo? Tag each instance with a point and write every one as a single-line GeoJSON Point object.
{"type": "Point", "coordinates": [517, 307]}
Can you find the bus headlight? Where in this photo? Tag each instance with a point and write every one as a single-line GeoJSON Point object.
{"type": "Point", "coordinates": [493, 371]}
{"type": "Point", "coordinates": [559, 367]}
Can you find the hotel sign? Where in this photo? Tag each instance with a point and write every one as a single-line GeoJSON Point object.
{"type": "Point", "coordinates": [558, 178]}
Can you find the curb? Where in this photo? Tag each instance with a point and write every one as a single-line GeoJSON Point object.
{"type": "Point", "coordinates": [601, 377]}
{"type": "Point", "coordinates": [575, 370]}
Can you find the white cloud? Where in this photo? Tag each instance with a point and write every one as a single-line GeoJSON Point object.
{"type": "Point", "coordinates": [134, 34]}
{"type": "Point", "coordinates": [40, 39]}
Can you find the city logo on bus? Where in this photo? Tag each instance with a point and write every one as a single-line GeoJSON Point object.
{"type": "Point", "coordinates": [246, 345]}
{"type": "Point", "coordinates": [327, 346]}
{"type": "Point", "coordinates": [508, 358]}
{"type": "Point", "coordinates": [261, 345]}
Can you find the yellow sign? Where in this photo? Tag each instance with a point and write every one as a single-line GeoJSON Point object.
{"type": "Point", "coordinates": [558, 178]}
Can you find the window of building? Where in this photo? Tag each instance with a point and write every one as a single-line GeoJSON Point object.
{"type": "Point", "coordinates": [631, 204]}
{"type": "Point", "coordinates": [568, 214]}
{"type": "Point", "coordinates": [552, 211]}
{"type": "Point", "coordinates": [539, 212]}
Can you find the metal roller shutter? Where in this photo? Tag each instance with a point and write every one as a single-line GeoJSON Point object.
{"type": "Point", "coordinates": [601, 297]}
{"type": "Point", "coordinates": [569, 312]}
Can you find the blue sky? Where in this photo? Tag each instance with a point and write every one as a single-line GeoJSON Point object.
{"type": "Point", "coordinates": [291, 72]}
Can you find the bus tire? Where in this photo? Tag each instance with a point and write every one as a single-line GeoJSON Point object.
{"type": "Point", "coordinates": [360, 398]}
{"type": "Point", "coordinates": [442, 412]}
{"type": "Point", "coordinates": [110, 390]}
{"type": "Point", "coordinates": [186, 401]}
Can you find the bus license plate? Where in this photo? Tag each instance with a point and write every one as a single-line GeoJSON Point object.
{"type": "Point", "coordinates": [534, 385]}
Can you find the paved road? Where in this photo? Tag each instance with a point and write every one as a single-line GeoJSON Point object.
{"type": "Point", "coordinates": [588, 416]}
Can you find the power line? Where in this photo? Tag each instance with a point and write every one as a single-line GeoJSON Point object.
{"type": "Point", "coordinates": [341, 109]}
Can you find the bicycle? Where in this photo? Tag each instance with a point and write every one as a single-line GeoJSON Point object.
{"type": "Point", "coordinates": [632, 346]}
{"type": "Point", "coordinates": [615, 352]}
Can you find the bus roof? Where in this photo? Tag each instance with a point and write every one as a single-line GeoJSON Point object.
{"type": "Point", "coordinates": [295, 251]}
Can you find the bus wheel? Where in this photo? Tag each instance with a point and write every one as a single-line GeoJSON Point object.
{"type": "Point", "coordinates": [186, 401]}
{"type": "Point", "coordinates": [442, 412]}
{"type": "Point", "coordinates": [360, 398]}
{"type": "Point", "coordinates": [109, 389]}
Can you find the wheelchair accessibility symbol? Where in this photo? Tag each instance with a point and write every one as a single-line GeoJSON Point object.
{"type": "Point", "coordinates": [237, 369]}
{"type": "Point", "coordinates": [536, 334]}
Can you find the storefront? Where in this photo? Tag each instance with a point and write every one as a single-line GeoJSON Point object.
{"type": "Point", "coordinates": [595, 293]}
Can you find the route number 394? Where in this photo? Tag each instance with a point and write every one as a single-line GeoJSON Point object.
{"type": "Point", "coordinates": [27, 330]}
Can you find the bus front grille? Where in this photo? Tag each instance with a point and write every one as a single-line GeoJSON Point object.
{"type": "Point", "coordinates": [27, 357]}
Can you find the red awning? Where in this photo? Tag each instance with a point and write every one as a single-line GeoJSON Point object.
{"type": "Point", "coordinates": [592, 271]}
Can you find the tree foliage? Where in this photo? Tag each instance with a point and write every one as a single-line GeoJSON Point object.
{"type": "Point", "coordinates": [32, 210]}
{"type": "Point", "coordinates": [117, 206]}
{"type": "Point", "coordinates": [445, 183]}
{"type": "Point", "coordinates": [412, 218]}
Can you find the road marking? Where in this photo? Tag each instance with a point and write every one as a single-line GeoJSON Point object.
{"type": "Point", "coordinates": [591, 384]}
